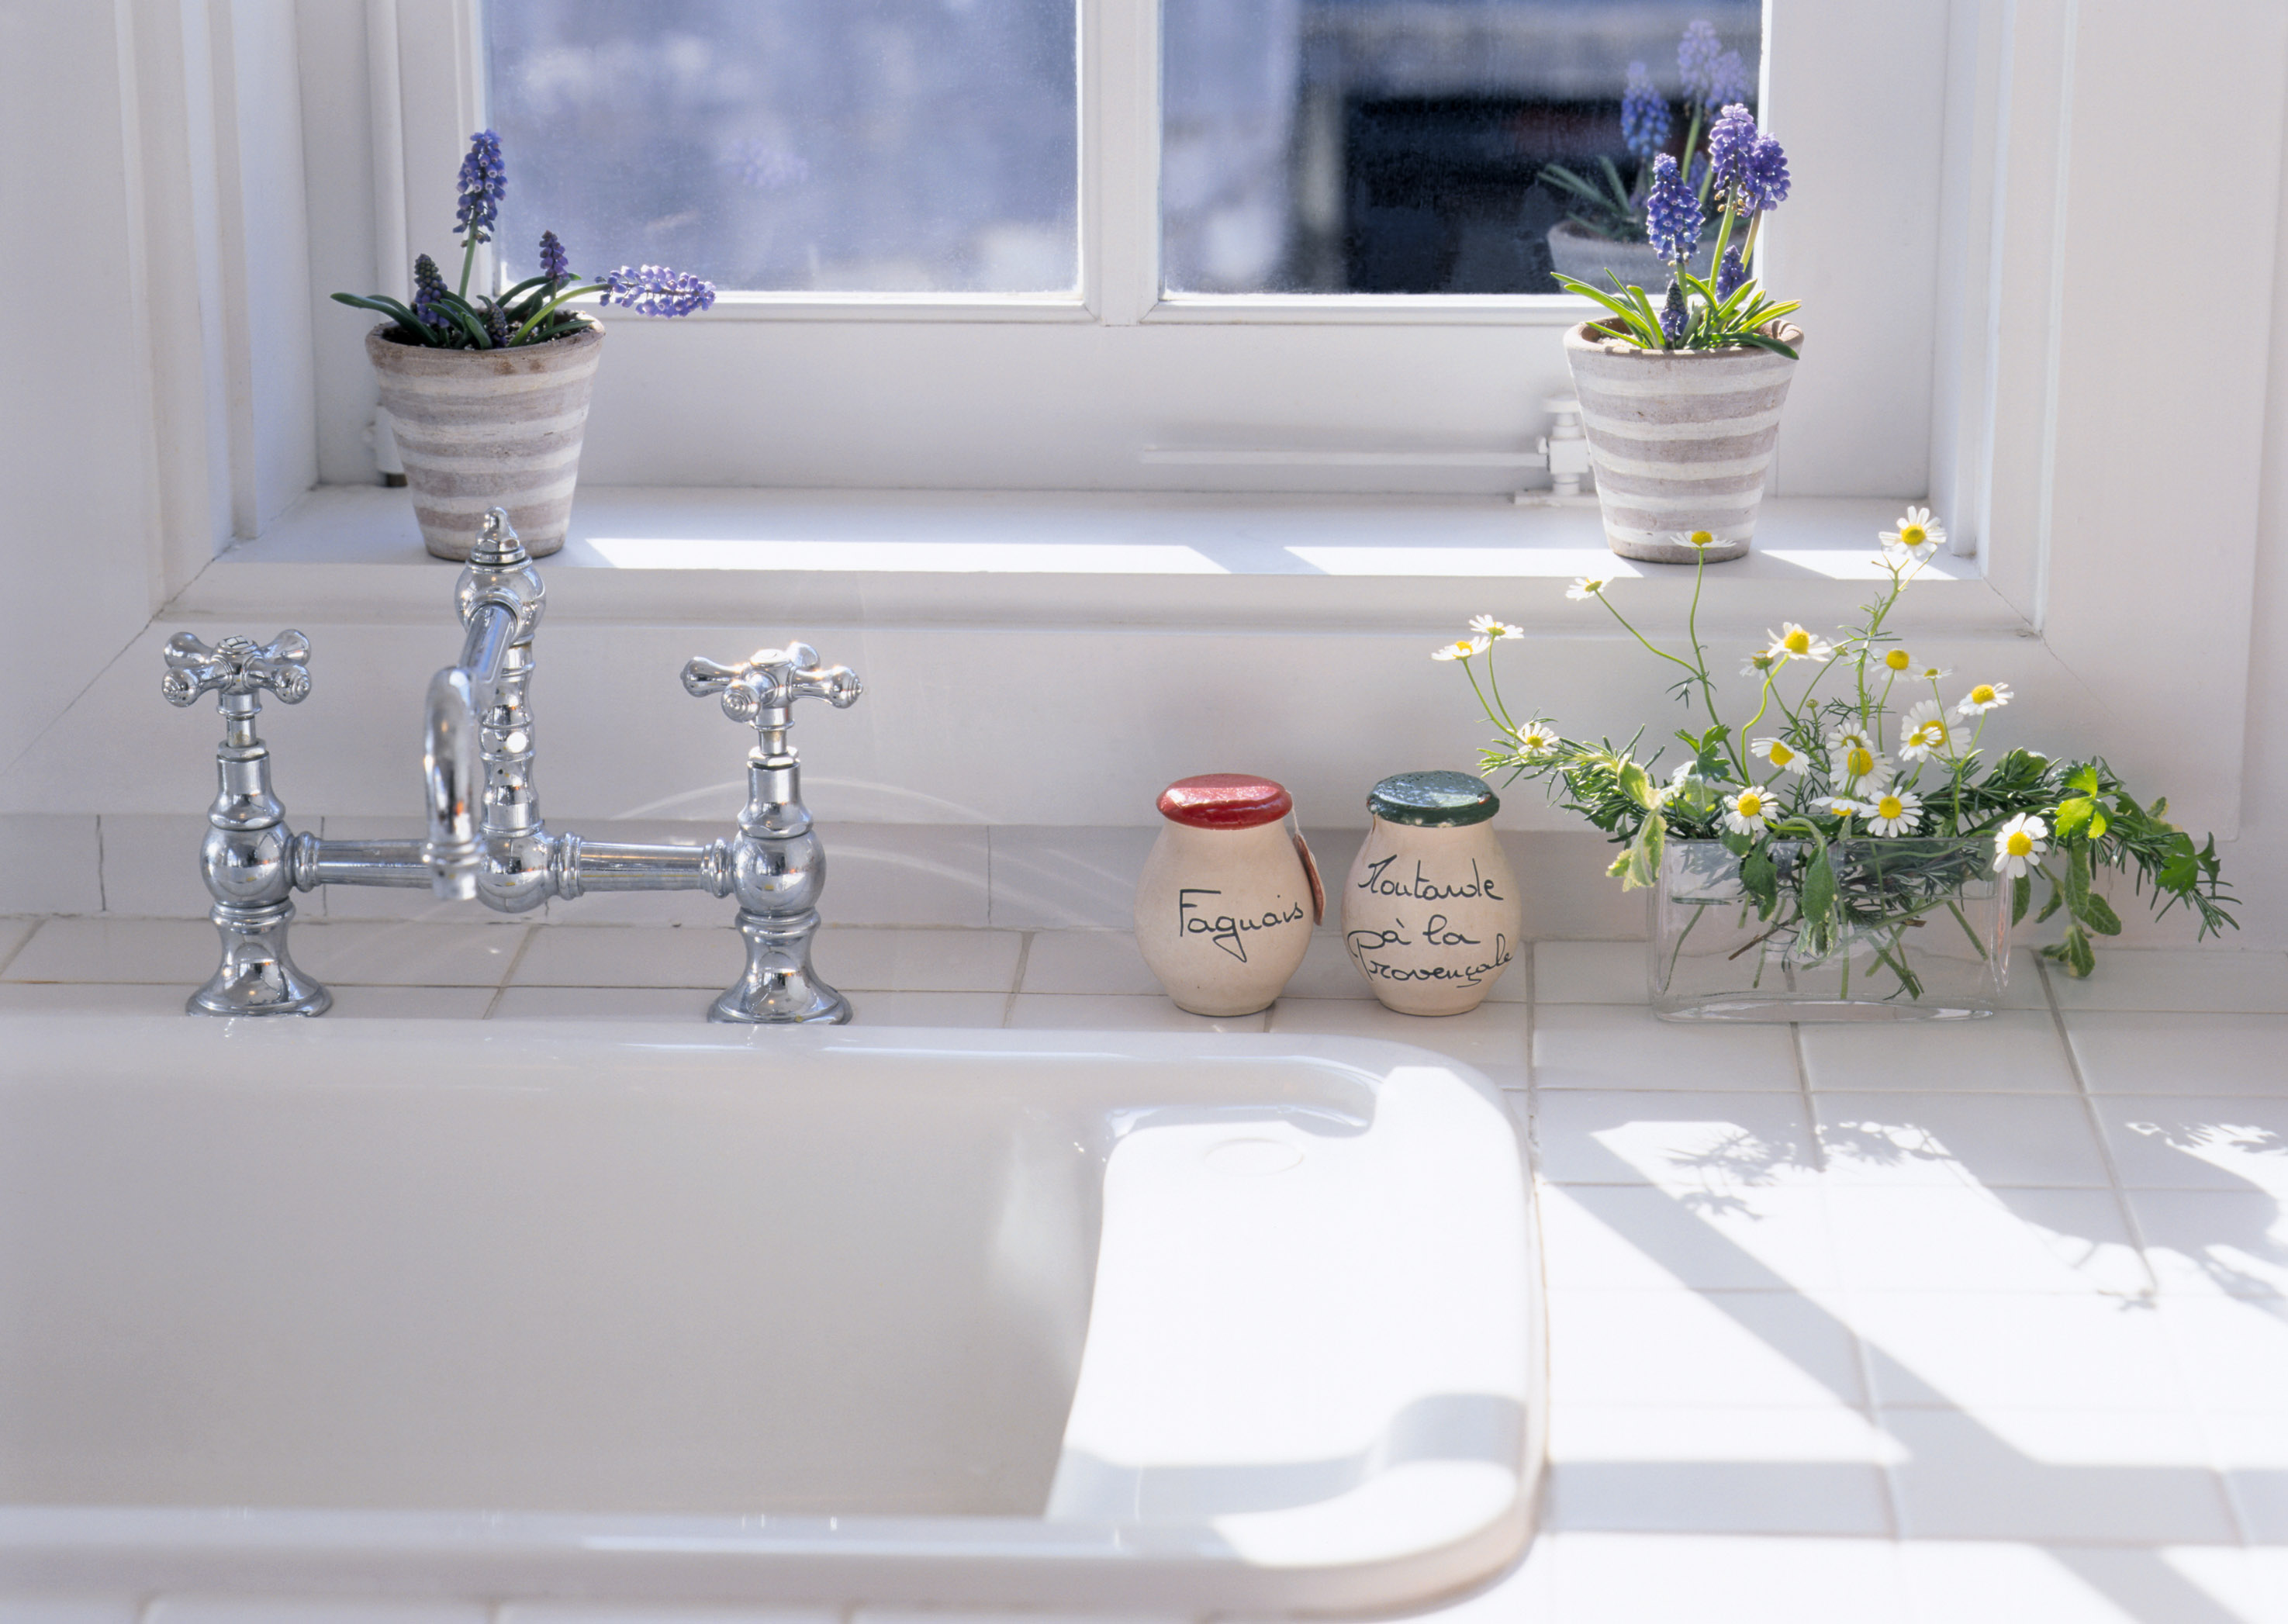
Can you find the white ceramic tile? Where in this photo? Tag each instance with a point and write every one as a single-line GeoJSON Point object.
{"type": "Point", "coordinates": [1082, 1012]}
{"type": "Point", "coordinates": [151, 865]}
{"type": "Point", "coordinates": [1724, 1579]}
{"type": "Point", "coordinates": [66, 878]}
{"type": "Point", "coordinates": [93, 997]}
{"type": "Point", "coordinates": [1937, 1238]}
{"type": "Point", "coordinates": [1713, 1145]}
{"type": "Point", "coordinates": [1717, 1470]}
{"type": "Point", "coordinates": [1491, 1037]}
{"type": "Point", "coordinates": [905, 874]}
{"type": "Point", "coordinates": [1625, 1237]}
{"type": "Point", "coordinates": [2250, 1586]}
{"type": "Point", "coordinates": [311, 1609]}
{"type": "Point", "coordinates": [1978, 1350]}
{"type": "Point", "coordinates": [2183, 1142]}
{"type": "Point", "coordinates": [1751, 1348]}
{"type": "Point", "coordinates": [692, 957]}
{"type": "Point", "coordinates": [2005, 1581]}
{"type": "Point", "coordinates": [353, 1002]}
{"type": "Point", "coordinates": [974, 1010]}
{"type": "Point", "coordinates": [170, 952]}
{"type": "Point", "coordinates": [2190, 978]}
{"type": "Point", "coordinates": [2233, 1352]}
{"type": "Point", "coordinates": [2079, 1475]}
{"type": "Point", "coordinates": [677, 1004]}
{"type": "Point", "coordinates": [382, 954]}
{"type": "Point", "coordinates": [2253, 1452]}
{"type": "Point", "coordinates": [1061, 878]}
{"type": "Point", "coordinates": [1087, 961]}
{"type": "Point", "coordinates": [2214, 1242]}
{"type": "Point", "coordinates": [2180, 1054]}
{"type": "Point", "coordinates": [64, 1609]}
{"type": "Point", "coordinates": [14, 934]}
{"type": "Point", "coordinates": [1995, 1140]}
{"type": "Point", "coordinates": [1327, 971]}
{"type": "Point", "coordinates": [2009, 1052]}
{"type": "Point", "coordinates": [637, 1613]}
{"type": "Point", "coordinates": [1603, 1046]}
{"type": "Point", "coordinates": [1589, 972]}
{"type": "Point", "coordinates": [885, 960]}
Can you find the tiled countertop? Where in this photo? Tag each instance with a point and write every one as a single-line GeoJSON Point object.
{"type": "Point", "coordinates": [1866, 1326]}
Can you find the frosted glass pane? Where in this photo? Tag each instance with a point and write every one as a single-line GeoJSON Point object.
{"type": "Point", "coordinates": [832, 145]}
{"type": "Point", "coordinates": [1399, 145]}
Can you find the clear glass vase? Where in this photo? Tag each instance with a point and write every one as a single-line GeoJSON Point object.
{"type": "Point", "coordinates": [1920, 932]}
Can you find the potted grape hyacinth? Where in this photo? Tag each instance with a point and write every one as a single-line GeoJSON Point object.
{"type": "Point", "coordinates": [1680, 399]}
{"type": "Point", "coordinates": [487, 395]}
{"type": "Point", "coordinates": [1604, 225]}
{"type": "Point", "coordinates": [1849, 851]}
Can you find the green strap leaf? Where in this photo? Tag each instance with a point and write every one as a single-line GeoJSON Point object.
{"type": "Point", "coordinates": [2021, 897]}
{"type": "Point", "coordinates": [1819, 888]}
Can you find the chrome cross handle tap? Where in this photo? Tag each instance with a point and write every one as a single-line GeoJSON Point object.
{"type": "Point", "coordinates": [777, 867]}
{"type": "Point", "coordinates": [249, 853]}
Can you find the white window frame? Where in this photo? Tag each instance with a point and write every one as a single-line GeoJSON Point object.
{"type": "Point", "coordinates": [1120, 386]}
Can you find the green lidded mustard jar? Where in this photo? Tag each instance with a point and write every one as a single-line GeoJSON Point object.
{"type": "Point", "coordinates": [1431, 914]}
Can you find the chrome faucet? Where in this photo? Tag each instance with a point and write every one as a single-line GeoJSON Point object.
{"type": "Point", "coordinates": [487, 841]}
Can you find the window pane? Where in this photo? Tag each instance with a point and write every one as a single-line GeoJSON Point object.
{"type": "Point", "coordinates": [907, 145]}
{"type": "Point", "coordinates": [1404, 145]}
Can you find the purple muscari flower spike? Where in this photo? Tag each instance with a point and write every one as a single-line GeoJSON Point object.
{"type": "Point", "coordinates": [1731, 273]}
{"type": "Point", "coordinates": [553, 264]}
{"type": "Point", "coordinates": [1673, 315]}
{"type": "Point", "coordinates": [1767, 185]}
{"type": "Point", "coordinates": [483, 181]}
{"type": "Point", "coordinates": [655, 290]}
{"type": "Point", "coordinates": [1672, 213]}
{"type": "Point", "coordinates": [497, 326]}
{"type": "Point", "coordinates": [1728, 80]}
{"type": "Point", "coordinates": [1695, 60]}
{"type": "Point", "coordinates": [428, 283]}
{"type": "Point", "coordinates": [1732, 146]}
{"type": "Point", "coordinates": [1644, 115]}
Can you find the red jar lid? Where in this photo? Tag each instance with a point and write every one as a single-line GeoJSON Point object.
{"type": "Point", "coordinates": [1224, 800]}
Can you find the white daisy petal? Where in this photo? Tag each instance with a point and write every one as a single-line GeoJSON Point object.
{"type": "Point", "coordinates": [1925, 732]}
{"type": "Point", "coordinates": [1494, 630]}
{"type": "Point", "coordinates": [1460, 649]}
{"type": "Point", "coordinates": [2020, 844]}
{"type": "Point", "coordinates": [1792, 641]}
{"type": "Point", "coordinates": [1586, 586]}
{"type": "Point", "coordinates": [1983, 697]}
{"type": "Point", "coordinates": [1748, 812]}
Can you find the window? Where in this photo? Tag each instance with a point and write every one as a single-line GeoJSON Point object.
{"type": "Point", "coordinates": [1242, 304]}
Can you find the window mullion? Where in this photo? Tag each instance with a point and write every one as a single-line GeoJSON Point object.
{"type": "Point", "coordinates": [1120, 157]}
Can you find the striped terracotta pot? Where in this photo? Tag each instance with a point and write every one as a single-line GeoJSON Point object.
{"type": "Point", "coordinates": [479, 429]}
{"type": "Point", "coordinates": [1681, 439]}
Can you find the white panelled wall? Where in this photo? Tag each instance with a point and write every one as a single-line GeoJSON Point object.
{"type": "Point", "coordinates": [2109, 374]}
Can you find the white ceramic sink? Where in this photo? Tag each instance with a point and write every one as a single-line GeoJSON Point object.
{"type": "Point", "coordinates": [1186, 1323]}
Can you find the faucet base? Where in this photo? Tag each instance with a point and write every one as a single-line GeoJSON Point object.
{"type": "Point", "coordinates": [256, 976]}
{"type": "Point", "coordinates": [780, 988]}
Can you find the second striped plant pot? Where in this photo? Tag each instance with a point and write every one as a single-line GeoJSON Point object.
{"type": "Point", "coordinates": [1679, 440]}
{"type": "Point", "coordinates": [479, 429]}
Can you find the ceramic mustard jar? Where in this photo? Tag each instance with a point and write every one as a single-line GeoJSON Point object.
{"type": "Point", "coordinates": [1431, 914]}
{"type": "Point", "coordinates": [1229, 895]}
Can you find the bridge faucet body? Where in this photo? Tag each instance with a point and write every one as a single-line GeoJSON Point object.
{"type": "Point", "coordinates": [487, 840]}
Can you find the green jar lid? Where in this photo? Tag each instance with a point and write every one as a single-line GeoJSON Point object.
{"type": "Point", "coordinates": [1433, 800]}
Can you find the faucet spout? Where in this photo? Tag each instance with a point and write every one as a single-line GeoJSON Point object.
{"type": "Point", "coordinates": [452, 765]}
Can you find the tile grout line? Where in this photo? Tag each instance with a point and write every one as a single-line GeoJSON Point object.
{"type": "Point", "coordinates": [508, 972]}
{"type": "Point", "coordinates": [1017, 978]}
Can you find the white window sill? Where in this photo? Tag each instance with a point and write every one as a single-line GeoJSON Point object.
{"type": "Point", "coordinates": [654, 555]}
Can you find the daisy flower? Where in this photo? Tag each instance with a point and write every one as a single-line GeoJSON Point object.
{"type": "Point", "coordinates": [1924, 734]}
{"type": "Point", "coordinates": [1918, 536]}
{"type": "Point", "coordinates": [1538, 737]}
{"type": "Point", "coordinates": [1493, 631]}
{"type": "Point", "coordinates": [1586, 586]}
{"type": "Point", "coordinates": [1781, 754]}
{"type": "Point", "coordinates": [1762, 663]}
{"type": "Point", "coordinates": [1748, 812]}
{"type": "Point", "coordinates": [1460, 649]}
{"type": "Point", "coordinates": [2019, 844]}
{"type": "Point", "coordinates": [1894, 811]}
{"type": "Point", "coordinates": [1934, 673]}
{"type": "Point", "coordinates": [1896, 659]}
{"type": "Point", "coordinates": [1984, 697]}
{"type": "Point", "coordinates": [1862, 768]}
{"type": "Point", "coordinates": [1839, 806]}
{"type": "Point", "coordinates": [1694, 539]}
{"type": "Point", "coordinates": [1792, 641]}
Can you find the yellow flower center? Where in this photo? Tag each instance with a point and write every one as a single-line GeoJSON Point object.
{"type": "Point", "coordinates": [1859, 762]}
{"type": "Point", "coordinates": [1797, 642]}
{"type": "Point", "coordinates": [1890, 806]}
{"type": "Point", "coordinates": [1464, 650]}
{"type": "Point", "coordinates": [2020, 844]}
{"type": "Point", "coordinates": [1701, 538]}
{"type": "Point", "coordinates": [1912, 535]}
{"type": "Point", "coordinates": [1896, 659]}
{"type": "Point", "coordinates": [1982, 695]}
{"type": "Point", "coordinates": [1782, 755]}
{"type": "Point", "coordinates": [1751, 805]}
